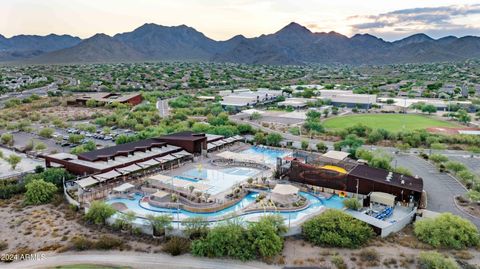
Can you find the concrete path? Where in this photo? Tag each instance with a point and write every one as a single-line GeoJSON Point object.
{"type": "Point", "coordinates": [134, 260]}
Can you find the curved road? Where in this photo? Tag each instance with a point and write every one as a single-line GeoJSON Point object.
{"type": "Point", "coordinates": [134, 260]}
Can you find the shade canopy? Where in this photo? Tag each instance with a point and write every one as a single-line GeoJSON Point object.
{"type": "Point", "coordinates": [285, 189]}
{"type": "Point", "coordinates": [124, 187]}
{"type": "Point", "coordinates": [86, 182]}
{"type": "Point", "coordinates": [382, 198]}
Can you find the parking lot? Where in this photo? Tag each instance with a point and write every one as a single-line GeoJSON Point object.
{"type": "Point", "coordinates": [441, 188]}
{"type": "Point", "coordinates": [472, 162]}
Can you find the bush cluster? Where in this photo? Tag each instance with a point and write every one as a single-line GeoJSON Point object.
{"type": "Point", "coordinates": [335, 228]}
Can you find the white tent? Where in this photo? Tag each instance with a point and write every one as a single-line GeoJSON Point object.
{"type": "Point", "coordinates": [123, 188]}
{"type": "Point", "coordinates": [148, 163]}
{"type": "Point", "coordinates": [129, 169]}
{"type": "Point", "coordinates": [86, 182]}
{"type": "Point", "coordinates": [108, 175]}
{"type": "Point", "coordinates": [285, 189]}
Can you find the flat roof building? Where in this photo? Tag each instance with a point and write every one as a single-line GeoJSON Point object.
{"type": "Point", "coordinates": [245, 98]}
{"type": "Point", "coordinates": [109, 98]}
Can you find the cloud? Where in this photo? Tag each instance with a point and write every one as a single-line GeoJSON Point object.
{"type": "Point", "coordinates": [442, 18]}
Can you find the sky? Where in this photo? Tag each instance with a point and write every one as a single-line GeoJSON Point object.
{"type": "Point", "coordinates": [223, 19]}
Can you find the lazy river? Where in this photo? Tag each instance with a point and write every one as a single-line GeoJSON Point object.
{"type": "Point", "coordinates": [316, 203]}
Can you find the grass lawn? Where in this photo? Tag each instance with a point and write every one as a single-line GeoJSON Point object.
{"type": "Point", "coordinates": [389, 122]}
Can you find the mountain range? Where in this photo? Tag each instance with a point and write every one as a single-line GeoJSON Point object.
{"type": "Point", "coordinates": [293, 44]}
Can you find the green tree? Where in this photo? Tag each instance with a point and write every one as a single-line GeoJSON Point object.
{"type": "Point", "coordinates": [39, 192]}
{"type": "Point", "coordinates": [352, 203]}
{"type": "Point", "coordinates": [336, 229]}
{"type": "Point", "coordinates": [447, 230]}
{"type": "Point", "coordinates": [195, 227]}
{"type": "Point", "coordinates": [265, 240]}
{"type": "Point", "coordinates": [160, 223]}
{"type": "Point", "coordinates": [259, 138]}
{"type": "Point", "coordinates": [13, 160]}
{"type": "Point", "coordinates": [455, 167]}
{"type": "Point", "coordinates": [321, 147]}
{"type": "Point", "coordinates": [429, 109]}
{"type": "Point", "coordinates": [225, 240]}
{"type": "Point", "coordinates": [351, 142]}
{"type": "Point", "coordinates": [273, 139]}
{"type": "Point", "coordinates": [99, 212]}
{"type": "Point", "coordinates": [438, 158]}
{"type": "Point", "coordinates": [304, 144]}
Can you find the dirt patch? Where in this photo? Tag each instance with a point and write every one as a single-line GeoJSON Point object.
{"type": "Point", "coordinates": [51, 228]}
{"type": "Point", "coordinates": [398, 251]}
{"type": "Point", "coordinates": [450, 130]}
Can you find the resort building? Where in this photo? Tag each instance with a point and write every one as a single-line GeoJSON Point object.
{"type": "Point", "coordinates": [387, 198]}
{"type": "Point", "coordinates": [108, 98]}
{"type": "Point", "coordinates": [154, 152]}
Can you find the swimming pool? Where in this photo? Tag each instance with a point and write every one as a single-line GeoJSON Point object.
{"type": "Point", "coordinates": [219, 180]}
{"type": "Point", "coordinates": [142, 209]}
{"type": "Point", "coordinates": [269, 155]}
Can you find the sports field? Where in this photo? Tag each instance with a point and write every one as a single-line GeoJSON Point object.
{"type": "Point", "coordinates": [390, 122]}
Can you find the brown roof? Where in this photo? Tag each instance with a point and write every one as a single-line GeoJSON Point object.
{"type": "Point", "coordinates": [380, 175]}
{"type": "Point", "coordinates": [123, 148]}
{"type": "Point", "coordinates": [185, 136]}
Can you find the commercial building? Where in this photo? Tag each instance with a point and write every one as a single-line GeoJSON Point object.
{"type": "Point", "coordinates": [295, 102]}
{"type": "Point", "coordinates": [108, 98]}
{"type": "Point", "coordinates": [246, 98]}
{"type": "Point", "coordinates": [337, 173]}
{"type": "Point", "coordinates": [348, 98]}
{"type": "Point", "coordinates": [440, 104]}
{"type": "Point", "coordinates": [153, 152]}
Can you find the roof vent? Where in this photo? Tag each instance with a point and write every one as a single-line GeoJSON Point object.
{"type": "Point", "coordinates": [389, 176]}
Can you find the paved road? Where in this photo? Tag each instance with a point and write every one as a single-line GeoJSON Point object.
{"type": "Point", "coordinates": [163, 108]}
{"type": "Point", "coordinates": [135, 260]}
{"type": "Point", "coordinates": [441, 188]}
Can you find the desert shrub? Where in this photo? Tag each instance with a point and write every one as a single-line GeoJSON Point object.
{"type": "Point", "coordinates": [264, 237]}
{"type": "Point", "coordinates": [195, 227]}
{"type": "Point", "coordinates": [10, 187]}
{"type": "Point", "coordinates": [82, 243]}
{"type": "Point", "coordinates": [337, 229]}
{"type": "Point", "coordinates": [435, 260]}
{"type": "Point", "coordinates": [447, 230]}
{"type": "Point", "coordinates": [438, 158]}
{"type": "Point", "coordinates": [99, 212]}
{"type": "Point", "coordinates": [176, 246]}
{"type": "Point", "coordinates": [106, 242]}
{"type": "Point", "coordinates": [39, 192]}
{"type": "Point", "coordinates": [352, 203]}
{"type": "Point", "coordinates": [3, 245]}
{"type": "Point", "coordinates": [370, 256]}
{"type": "Point", "coordinates": [259, 239]}
{"type": "Point", "coordinates": [224, 240]}
{"type": "Point", "coordinates": [339, 262]}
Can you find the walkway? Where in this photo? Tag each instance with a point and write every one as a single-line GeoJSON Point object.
{"type": "Point", "coordinates": [135, 260]}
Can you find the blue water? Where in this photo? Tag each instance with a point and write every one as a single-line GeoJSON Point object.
{"type": "Point", "coordinates": [144, 209]}
{"type": "Point", "coordinates": [219, 180]}
{"type": "Point", "coordinates": [269, 155]}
